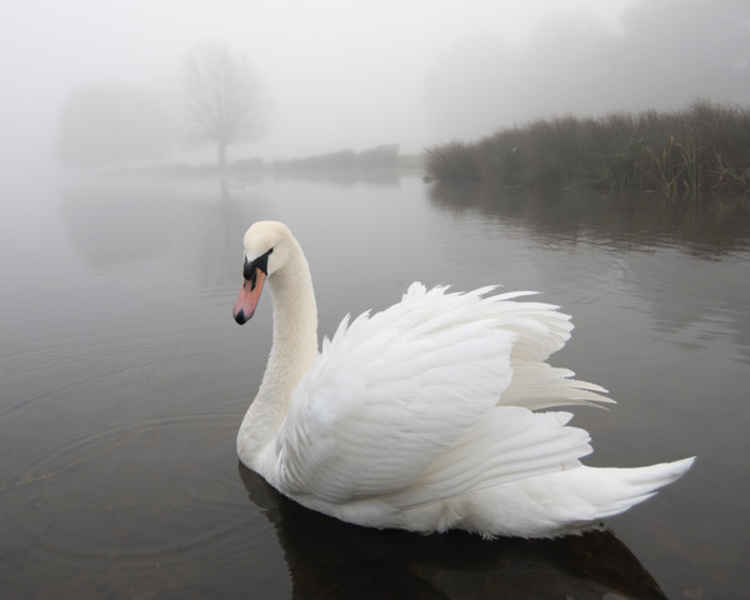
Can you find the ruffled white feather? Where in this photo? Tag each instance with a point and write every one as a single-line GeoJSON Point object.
{"type": "Point", "coordinates": [421, 417]}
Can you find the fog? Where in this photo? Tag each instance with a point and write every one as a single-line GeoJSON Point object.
{"type": "Point", "coordinates": [140, 138]}
{"type": "Point", "coordinates": [352, 75]}
{"type": "Point", "coordinates": [662, 55]}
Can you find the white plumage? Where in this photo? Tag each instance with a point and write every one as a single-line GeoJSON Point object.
{"type": "Point", "coordinates": [422, 416]}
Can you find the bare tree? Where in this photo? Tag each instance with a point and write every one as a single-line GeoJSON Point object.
{"type": "Point", "coordinates": [224, 102]}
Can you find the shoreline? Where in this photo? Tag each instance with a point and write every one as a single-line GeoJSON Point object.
{"type": "Point", "coordinates": [698, 152]}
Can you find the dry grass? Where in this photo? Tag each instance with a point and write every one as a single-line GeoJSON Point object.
{"type": "Point", "coordinates": [700, 150]}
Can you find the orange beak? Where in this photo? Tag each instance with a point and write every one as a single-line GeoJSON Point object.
{"type": "Point", "coordinates": [248, 298]}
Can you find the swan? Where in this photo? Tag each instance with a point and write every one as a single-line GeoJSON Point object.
{"type": "Point", "coordinates": [425, 416]}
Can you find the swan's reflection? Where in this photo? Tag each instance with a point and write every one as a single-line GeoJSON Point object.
{"type": "Point", "coordinates": [331, 559]}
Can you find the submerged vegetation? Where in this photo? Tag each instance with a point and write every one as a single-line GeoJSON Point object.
{"type": "Point", "coordinates": [701, 150]}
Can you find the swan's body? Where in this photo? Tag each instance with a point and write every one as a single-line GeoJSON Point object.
{"type": "Point", "coordinates": [422, 416]}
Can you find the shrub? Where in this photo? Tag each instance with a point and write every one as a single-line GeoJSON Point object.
{"type": "Point", "coordinates": [703, 149]}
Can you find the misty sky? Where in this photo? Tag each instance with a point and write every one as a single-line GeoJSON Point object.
{"type": "Point", "coordinates": [355, 74]}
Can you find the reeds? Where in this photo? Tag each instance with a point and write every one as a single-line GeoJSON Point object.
{"type": "Point", "coordinates": [681, 154]}
{"type": "Point", "coordinates": [453, 162]}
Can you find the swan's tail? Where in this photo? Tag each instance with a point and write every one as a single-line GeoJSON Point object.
{"type": "Point", "coordinates": [571, 500]}
{"type": "Point", "coordinates": [614, 490]}
{"type": "Point", "coordinates": [586, 495]}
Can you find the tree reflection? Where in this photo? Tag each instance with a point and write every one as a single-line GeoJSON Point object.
{"type": "Point", "coordinates": [620, 220]}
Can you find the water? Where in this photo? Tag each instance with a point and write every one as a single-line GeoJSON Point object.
{"type": "Point", "coordinates": [124, 379]}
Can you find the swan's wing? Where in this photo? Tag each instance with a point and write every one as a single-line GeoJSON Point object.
{"type": "Point", "coordinates": [393, 392]}
{"type": "Point", "coordinates": [509, 443]}
{"type": "Point", "coordinates": [542, 330]}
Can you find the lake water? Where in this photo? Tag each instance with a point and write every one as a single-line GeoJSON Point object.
{"type": "Point", "coordinates": [124, 379]}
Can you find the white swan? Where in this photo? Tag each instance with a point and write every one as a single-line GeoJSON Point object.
{"type": "Point", "coordinates": [421, 417]}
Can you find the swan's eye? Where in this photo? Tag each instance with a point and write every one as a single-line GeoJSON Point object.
{"type": "Point", "coordinates": [250, 270]}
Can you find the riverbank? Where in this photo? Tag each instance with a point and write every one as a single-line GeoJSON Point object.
{"type": "Point", "coordinates": [704, 149]}
{"type": "Point", "coordinates": [378, 162]}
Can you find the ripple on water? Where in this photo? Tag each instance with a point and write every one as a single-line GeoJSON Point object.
{"type": "Point", "coordinates": [106, 496]}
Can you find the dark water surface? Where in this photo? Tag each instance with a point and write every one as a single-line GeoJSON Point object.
{"type": "Point", "coordinates": [124, 379]}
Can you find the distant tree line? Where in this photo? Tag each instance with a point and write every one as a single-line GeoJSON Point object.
{"type": "Point", "coordinates": [384, 156]}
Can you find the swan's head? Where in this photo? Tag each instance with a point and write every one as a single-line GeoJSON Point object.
{"type": "Point", "coordinates": [267, 248]}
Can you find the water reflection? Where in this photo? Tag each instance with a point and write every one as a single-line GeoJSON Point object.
{"type": "Point", "coordinates": [670, 281]}
{"type": "Point", "coordinates": [679, 299]}
{"type": "Point", "coordinates": [622, 220]}
{"type": "Point", "coordinates": [145, 220]}
{"type": "Point", "coordinates": [331, 559]}
{"type": "Point", "coordinates": [120, 406]}
{"type": "Point", "coordinates": [344, 178]}
{"type": "Point", "coordinates": [107, 227]}
{"type": "Point", "coordinates": [223, 225]}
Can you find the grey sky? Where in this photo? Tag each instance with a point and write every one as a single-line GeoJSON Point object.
{"type": "Point", "coordinates": [342, 74]}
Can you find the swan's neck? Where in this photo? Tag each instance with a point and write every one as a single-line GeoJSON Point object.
{"type": "Point", "coordinates": [295, 345]}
